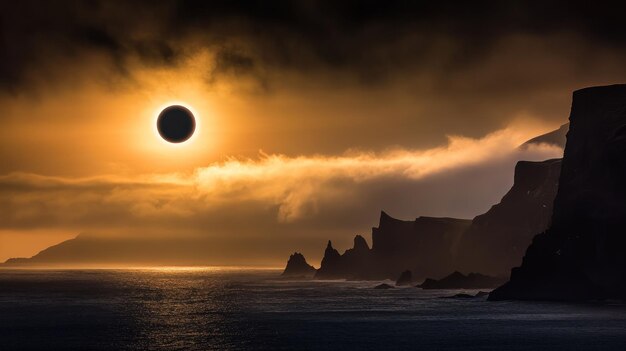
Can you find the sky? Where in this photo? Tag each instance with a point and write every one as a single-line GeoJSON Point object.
{"type": "Point", "coordinates": [312, 116]}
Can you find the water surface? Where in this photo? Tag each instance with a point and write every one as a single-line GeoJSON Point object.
{"type": "Point", "coordinates": [236, 309]}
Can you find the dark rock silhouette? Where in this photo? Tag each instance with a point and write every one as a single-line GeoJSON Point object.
{"type": "Point", "coordinates": [383, 286]}
{"type": "Point", "coordinates": [360, 245]}
{"type": "Point", "coordinates": [332, 266]}
{"type": "Point", "coordinates": [496, 241]}
{"type": "Point", "coordinates": [492, 243]}
{"type": "Point", "coordinates": [406, 278]}
{"type": "Point", "coordinates": [297, 267]}
{"type": "Point", "coordinates": [425, 245]}
{"type": "Point", "coordinates": [555, 137]}
{"type": "Point", "coordinates": [581, 256]}
{"type": "Point", "coordinates": [458, 280]}
{"type": "Point", "coordinates": [357, 261]}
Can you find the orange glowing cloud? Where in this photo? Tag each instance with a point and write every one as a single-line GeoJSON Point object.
{"type": "Point", "coordinates": [296, 185]}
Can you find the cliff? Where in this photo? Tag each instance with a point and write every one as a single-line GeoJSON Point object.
{"type": "Point", "coordinates": [496, 240]}
{"type": "Point", "coordinates": [492, 243]}
{"type": "Point", "coordinates": [425, 246]}
{"type": "Point", "coordinates": [581, 256]}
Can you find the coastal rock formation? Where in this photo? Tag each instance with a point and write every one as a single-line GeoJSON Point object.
{"type": "Point", "coordinates": [496, 240]}
{"type": "Point", "coordinates": [425, 245]}
{"type": "Point", "coordinates": [332, 266]}
{"type": "Point", "coordinates": [355, 263]}
{"type": "Point", "coordinates": [581, 256]}
{"type": "Point", "coordinates": [297, 267]}
{"type": "Point", "coordinates": [406, 278]}
{"type": "Point", "coordinates": [492, 243]}
{"type": "Point", "coordinates": [458, 280]}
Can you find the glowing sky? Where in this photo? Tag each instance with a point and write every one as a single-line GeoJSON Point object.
{"type": "Point", "coordinates": [312, 117]}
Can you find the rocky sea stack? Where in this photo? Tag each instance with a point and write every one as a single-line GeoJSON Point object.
{"type": "Point", "coordinates": [297, 267]}
{"type": "Point", "coordinates": [332, 266]}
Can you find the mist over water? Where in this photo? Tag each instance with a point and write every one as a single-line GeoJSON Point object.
{"type": "Point", "coordinates": [234, 309]}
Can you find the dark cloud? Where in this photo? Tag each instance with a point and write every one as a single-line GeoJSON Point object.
{"type": "Point", "coordinates": [371, 39]}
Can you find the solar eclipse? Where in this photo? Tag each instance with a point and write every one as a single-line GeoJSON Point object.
{"type": "Point", "coordinates": [176, 124]}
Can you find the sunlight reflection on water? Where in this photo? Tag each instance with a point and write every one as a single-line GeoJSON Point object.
{"type": "Point", "coordinates": [201, 308]}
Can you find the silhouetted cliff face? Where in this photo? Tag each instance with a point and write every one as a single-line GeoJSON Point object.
{"type": "Point", "coordinates": [297, 267]}
{"type": "Point", "coordinates": [424, 246]}
{"type": "Point", "coordinates": [582, 255]}
{"type": "Point", "coordinates": [496, 241]}
{"type": "Point", "coordinates": [491, 243]}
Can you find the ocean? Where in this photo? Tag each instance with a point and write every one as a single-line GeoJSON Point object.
{"type": "Point", "coordinates": [241, 309]}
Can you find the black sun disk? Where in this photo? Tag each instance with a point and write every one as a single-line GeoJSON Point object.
{"type": "Point", "coordinates": [176, 124]}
